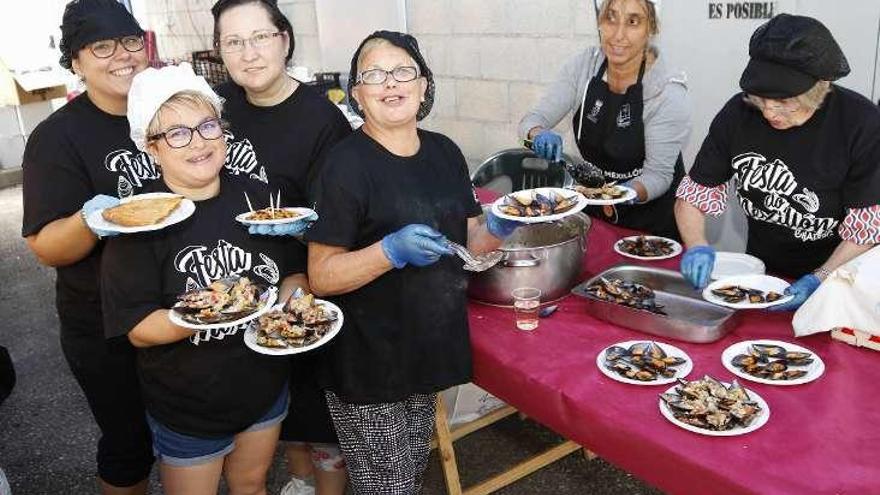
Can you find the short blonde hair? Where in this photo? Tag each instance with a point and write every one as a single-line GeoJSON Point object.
{"type": "Point", "coordinates": [653, 22]}
{"type": "Point", "coordinates": [369, 46]}
{"type": "Point", "coordinates": [815, 96]}
{"type": "Point", "coordinates": [189, 98]}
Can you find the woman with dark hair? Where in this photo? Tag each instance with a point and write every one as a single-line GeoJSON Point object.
{"type": "Point", "coordinates": [280, 131]}
{"type": "Point", "coordinates": [78, 160]}
{"type": "Point", "coordinates": [803, 156]}
{"type": "Point", "coordinates": [388, 197]}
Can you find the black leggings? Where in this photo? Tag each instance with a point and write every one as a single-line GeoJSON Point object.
{"type": "Point", "coordinates": [106, 373]}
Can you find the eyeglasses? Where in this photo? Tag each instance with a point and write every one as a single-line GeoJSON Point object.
{"type": "Point", "coordinates": [181, 136]}
{"type": "Point", "coordinates": [789, 105]}
{"type": "Point", "coordinates": [106, 48]}
{"type": "Point", "coordinates": [234, 44]}
{"type": "Point", "coordinates": [405, 73]}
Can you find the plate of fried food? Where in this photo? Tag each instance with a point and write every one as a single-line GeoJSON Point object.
{"type": "Point", "coordinates": [773, 362]}
{"type": "Point", "coordinates": [276, 216]}
{"type": "Point", "coordinates": [747, 292]}
{"type": "Point", "coordinates": [644, 363]}
{"type": "Point", "coordinates": [647, 247]}
{"type": "Point", "coordinates": [142, 213]}
{"type": "Point", "coordinates": [223, 303]}
{"type": "Point", "coordinates": [710, 407]}
{"type": "Point", "coordinates": [542, 204]}
{"type": "Point", "coordinates": [607, 194]}
{"type": "Point", "coordinates": [299, 325]}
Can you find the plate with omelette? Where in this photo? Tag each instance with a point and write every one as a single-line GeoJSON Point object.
{"type": "Point", "coordinates": [142, 213]}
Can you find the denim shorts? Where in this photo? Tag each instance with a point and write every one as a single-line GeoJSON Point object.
{"type": "Point", "coordinates": [179, 450]}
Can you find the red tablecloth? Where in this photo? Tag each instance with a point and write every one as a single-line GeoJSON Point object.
{"type": "Point", "coordinates": [822, 437]}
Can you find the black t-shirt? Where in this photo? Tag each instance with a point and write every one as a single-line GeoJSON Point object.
{"type": "Point", "coordinates": [795, 185]}
{"type": "Point", "coordinates": [405, 332]}
{"type": "Point", "coordinates": [211, 384]}
{"type": "Point", "coordinates": [77, 152]}
{"type": "Point", "coordinates": [284, 143]}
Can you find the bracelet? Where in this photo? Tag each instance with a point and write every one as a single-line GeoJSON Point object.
{"type": "Point", "coordinates": [822, 273]}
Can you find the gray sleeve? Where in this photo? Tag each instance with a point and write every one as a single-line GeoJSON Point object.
{"type": "Point", "coordinates": [557, 100]}
{"type": "Point", "coordinates": [666, 132]}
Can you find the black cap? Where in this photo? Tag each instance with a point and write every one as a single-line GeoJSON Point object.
{"type": "Point", "coordinates": [87, 21]}
{"type": "Point", "coordinates": [789, 54]}
{"type": "Point", "coordinates": [411, 46]}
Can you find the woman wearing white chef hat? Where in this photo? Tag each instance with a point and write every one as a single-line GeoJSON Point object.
{"type": "Point", "coordinates": [214, 407]}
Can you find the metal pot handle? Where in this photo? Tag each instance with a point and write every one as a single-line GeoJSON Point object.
{"type": "Point", "coordinates": [535, 261]}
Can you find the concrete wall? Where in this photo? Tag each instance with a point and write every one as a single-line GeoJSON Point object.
{"type": "Point", "coordinates": [493, 59]}
{"type": "Point", "coordinates": [183, 26]}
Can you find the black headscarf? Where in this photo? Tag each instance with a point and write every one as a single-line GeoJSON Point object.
{"type": "Point", "coordinates": [87, 21]}
{"type": "Point", "coordinates": [789, 54]}
{"type": "Point", "coordinates": [411, 46]}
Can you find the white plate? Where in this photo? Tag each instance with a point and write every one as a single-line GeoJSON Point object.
{"type": "Point", "coordinates": [814, 370]}
{"type": "Point", "coordinates": [676, 248]}
{"type": "Point", "coordinates": [304, 214]}
{"type": "Point", "coordinates": [758, 422]}
{"type": "Point", "coordinates": [765, 283]}
{"type": "Point", "coordinates": [181, 213]}
{"type": "Point", "coordinates": [250, 335]}
{"type": "Point", "coordinates": [728, 264]}
{"type": "Point", "coordinates": [546, 218]}
{"type": "Point", "coordinates": [670, 350]}
{"type": "Point", "coordinates": [269, 297]}
{"type": "Point", "coordinates": [630, 194]}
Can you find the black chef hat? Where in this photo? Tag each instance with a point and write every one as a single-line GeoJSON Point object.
{"type": "Point", "coordinates": [789, 54]}
{"type": "Point", "coordinates": [408, 43]}
{"type": "Point", "coordinates": [281, 22]}
{"type": "Point", "coordinates": [87, 21]}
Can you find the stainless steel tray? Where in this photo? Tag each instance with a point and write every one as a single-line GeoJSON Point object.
{"type": "Point", "coordinates": [689, 317]}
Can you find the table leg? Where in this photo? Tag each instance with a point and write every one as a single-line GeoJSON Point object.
{"type": "Point", "coordinates": [445, 450]}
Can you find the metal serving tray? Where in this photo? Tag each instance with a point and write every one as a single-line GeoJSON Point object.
{"type": "Point", "coordinates": [689, 317]}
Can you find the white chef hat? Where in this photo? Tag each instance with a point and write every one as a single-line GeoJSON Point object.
{"type": "Point", "coordinates": [153, 87]}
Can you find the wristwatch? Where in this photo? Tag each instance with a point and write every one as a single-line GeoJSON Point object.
{"type": "Point", "coordinates": [822, 273]}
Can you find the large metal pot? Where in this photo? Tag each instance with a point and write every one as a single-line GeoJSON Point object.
{"type": "Point", "coordinates": [547, 256]}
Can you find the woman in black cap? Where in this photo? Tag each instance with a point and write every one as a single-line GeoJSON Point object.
{"type": "Point", "coordinates": [280, 131]}
{"type": "Point", "coordinates": [78, 160]}
{"type": "Point", "coordinates": [803, 154]}
{"type": "Point", "coordinates": [388, 197]}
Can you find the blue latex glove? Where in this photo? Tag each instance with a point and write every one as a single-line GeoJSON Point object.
{"type": "Point", "coordinates": [547, 144]}
{"type": "Point", "coordinates": [415, 244]}
{"type": "Point", "coordinates": [99, 202]}
{"type": "Point", "coordinates": [635, 200]}
{"type": "Point", "coordinates": [500, 227]}
{"type": "Point", "coordinates": [801, 290]}
{"type": "Point", "coordinates": [697, 264]}
{"type": "Point", "coordinates": [294, 229]}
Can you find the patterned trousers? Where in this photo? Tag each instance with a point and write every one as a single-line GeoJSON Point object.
{"type": "Point", "coordinates": [386, 446]}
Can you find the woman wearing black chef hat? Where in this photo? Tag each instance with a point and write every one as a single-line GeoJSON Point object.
{"type": "Point", "coordinates": [804, 156]}
{"type": "Point", "coordinates": [388, 197]}
{"type": "Point", "coordinates": [78, 160]}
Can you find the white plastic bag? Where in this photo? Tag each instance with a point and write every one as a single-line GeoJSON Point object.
{"type": "Point", "coordinates": [468, 402]}
{"type": "Point", "coordinates": [849, 298]}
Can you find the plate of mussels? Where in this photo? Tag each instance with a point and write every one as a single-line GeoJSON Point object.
{"type": "Point", "coordinates": [647, 247]}
{"type": "Point", "coordinates": [607, 194]}
{"type": "Point", "coordinates": [773, 362]}
{"type": "Point", "coordinates": [300, 324]}
{"type": "Point", "coordinates": [710, 407]}
{"type": "Point", "coordinates": [223, 303]}
{"type": "Point", "coordinates": [747, 292]}
{"type": "Point", "coordinates": [644, 363]}
{"type": "Point", "coordinates": [543, 204]}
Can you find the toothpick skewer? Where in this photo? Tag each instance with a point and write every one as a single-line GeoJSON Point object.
{"type": "Point", "coordinates": [278, 199]}
{"type": "Point", "coordinates": [271, 206]}
{"type": "Point", "coordinates": [246, 198]}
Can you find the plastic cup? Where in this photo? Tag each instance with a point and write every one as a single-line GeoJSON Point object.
{"type": "Point", "coordinates": [526, 303]}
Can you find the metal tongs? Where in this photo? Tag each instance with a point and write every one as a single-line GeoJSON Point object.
{"type": "Point", "coordinates": [583, 173]}
{"type": "Point", "coordinates": [479, 263]}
